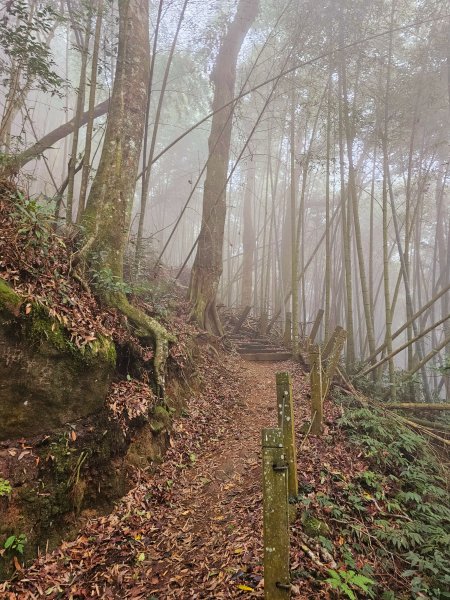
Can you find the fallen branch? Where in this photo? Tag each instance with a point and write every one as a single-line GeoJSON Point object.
{"type": "Point", "coordinates": [417, 406]}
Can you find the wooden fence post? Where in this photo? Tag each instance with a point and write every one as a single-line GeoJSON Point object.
{"type": "Point", "coordinates": [330, 344]}
{"type": "Point", "coordinates": [315, 327]}
{"type": "Point", "coordinates": [285, 410]}
{"type": "Point", "coordinates": [316, 390]}
{"type": "Point", "coordinates": [275, 517]}
{"type": "Point", "coordinates": [332, 364]}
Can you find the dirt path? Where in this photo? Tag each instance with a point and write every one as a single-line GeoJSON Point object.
{"type": "Point", "coordinates": [214, 538]}
{"type": "Point", "coordinates": [193, 529]}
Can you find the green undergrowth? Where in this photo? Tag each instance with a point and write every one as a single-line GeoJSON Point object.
{"type": "Point", "coordinates": [397, 513]}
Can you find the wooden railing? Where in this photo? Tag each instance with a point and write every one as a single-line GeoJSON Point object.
{"type": "Point", "coordinates": [279, 466]}
{"type": "Point", "coordinates": [279, 460]}
{"type": "Point", "coordinates": [323, 365]}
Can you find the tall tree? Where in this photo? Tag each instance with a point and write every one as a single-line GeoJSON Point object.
{"type": "Point", "coordinates": [107, 216]}
{"type": "Point", "coordinates": [248, 240]}
{"type": "Point", "coordinates": [207, 267]}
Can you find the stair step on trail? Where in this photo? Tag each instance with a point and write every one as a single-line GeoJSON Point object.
{"type": "Point", "coordinates": [257, 350]}
{"type": "Point", "coordinates": [267, 356]}
{"type": "Point", "coordinates": [255, 347]}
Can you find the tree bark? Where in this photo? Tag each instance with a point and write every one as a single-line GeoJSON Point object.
{"type": "Point", "coordinates": [248, 240]}
{"type": "Point", "coordinates": [107, 216]}
{"type": "Point", "coordinates": [109, 203]}
{"type": "Point", "coordinates": [207, 267]}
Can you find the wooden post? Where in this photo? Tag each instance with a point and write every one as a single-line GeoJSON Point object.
{"type": "Point", "coordinates": [316, 390]}
{"type": "Point", "coordinates": [242, 318]}
{"type": "Point", "coordinates": [315, 327]}
{"type": "Point", "coordinates": [285, 410]}
{"type": "Point", "coordinates": [288, 330]}
{"type": "Point", "coordinates": [330, 344]}
{"type": "Point", "coordinates": [275, 517]}
{"type": "Point", "coordinates": [331, 367]}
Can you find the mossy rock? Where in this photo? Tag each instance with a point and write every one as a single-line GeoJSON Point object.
{"type": "Point", "coordinates": [9, 301]}
{"type": "Point", "coordinates": [45, 380]}
{"type": "Point", "coordinates": [148, 446]}
{"type": "Point", "coordinates": [161, 420]}
{"type": "Point", "coordinates": [314, 527]}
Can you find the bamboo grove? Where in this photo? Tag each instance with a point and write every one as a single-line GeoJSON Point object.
{"type": "Point", "coordinates": [290, 156]}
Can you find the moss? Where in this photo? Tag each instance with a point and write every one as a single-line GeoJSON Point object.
{"type": "Point", "coordinates": [156, 426]}
{"type": "Point", "coordinates": [102, 348]}
{"type": "Point", "coordinates": [162, 414]}
{"type": "Point", "coordinates": [314, 527]}
{"type": "Point", "coordinates": [161, 420]}
{"type": "Point", "coordinates": [40, 327]}
{"type": "Point", "coordinates": [9, 300]}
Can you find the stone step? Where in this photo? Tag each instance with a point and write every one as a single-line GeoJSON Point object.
{"type": "Point", "coordinates": [267, 356]}
{"type": "Point", "coordinates": [245, 339]}
{"type": "Point", "coordinates": [260, 349]}
{"type": "Point", "coordinates": [258, 346]}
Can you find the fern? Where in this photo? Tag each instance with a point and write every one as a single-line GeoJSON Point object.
{"type": "Point", "coordinates": [412, 487]}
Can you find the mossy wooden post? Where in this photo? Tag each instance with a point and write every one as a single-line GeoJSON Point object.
{"type": "Point", "coordinates": [341, 336]}
{"type": "Point", "coordinates": [316, 390]}
{"type": "Point", "coordinates": [242, 318]}
{"type": "Point", "coordinates": [285, 410]}
{"type": "Point", "coordinates": [275, 516]}
{"type": "Point", "coordinates": [287, 337]}
{"type": "Point", "coordinates": [330, 344]}
{"type": "Point", "coordinates": [315, 327]}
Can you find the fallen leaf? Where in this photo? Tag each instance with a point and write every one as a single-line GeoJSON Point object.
{"type": "Point", "coordinates": [245, 588]}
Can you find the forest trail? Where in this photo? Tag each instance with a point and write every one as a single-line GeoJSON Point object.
{"type": "Point", "coordinates": [191, 530]}
{"type": "Point", "coordinates": [213, 540]}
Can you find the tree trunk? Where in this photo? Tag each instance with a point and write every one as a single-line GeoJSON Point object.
{"type": "Point", "coordinates": [84, 49]}
{"type": "Point", "coordinates": [107, 216]}
{"type": "Point", "coordinates": [90, 123]}
{"type": "Point", "coordinates": [108, 207]}
{"type": "Point", "coordinates": [16, 162]}
{"type": "Point", "coordinates": [207, 267]}
{"type": "Point", "coordinates": [248, 240]}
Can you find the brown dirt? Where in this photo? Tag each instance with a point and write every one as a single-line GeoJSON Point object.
{"type": "Point", "coordinates": [193, 529]}
{"type": "Point", "coordinates": [218, 519]}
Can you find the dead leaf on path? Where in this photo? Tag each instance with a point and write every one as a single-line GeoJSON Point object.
{"type": "Point", "coordinates": [245, 588]}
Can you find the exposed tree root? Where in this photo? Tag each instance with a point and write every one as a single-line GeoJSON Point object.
{"type": "Point", "coordinates": [202, 295]}
{"type": "Point", "coordinates": [147, 327]}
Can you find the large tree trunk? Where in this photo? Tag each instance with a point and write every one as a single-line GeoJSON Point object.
{"type": "Point", "coordinates": [109, 203]}
{"type": "Point", "coordinates": [107, 216]}
{"type": "Point", "coordinates": [207, 267]}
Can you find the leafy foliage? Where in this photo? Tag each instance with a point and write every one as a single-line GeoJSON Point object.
{"type": "Point", "coordinates": [26, 53]}
{"type": "Point", "coordinates": [15, 544]}
{"type": "Point", "coordinates": [37, 263]}
{"type": "Point", "coordinates": [416, 523]}
{"type": "Point", "coordinates": [346, 581]}
{"type": "Point", "coordinates": [5, 487]}
{"type": "Point", "coordinates": [103, 280]}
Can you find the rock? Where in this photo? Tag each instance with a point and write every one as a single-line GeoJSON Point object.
{"type": "Point", "coordinates": [45, 380]}
{"type": "Point", "coordinates": [314, 527]}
